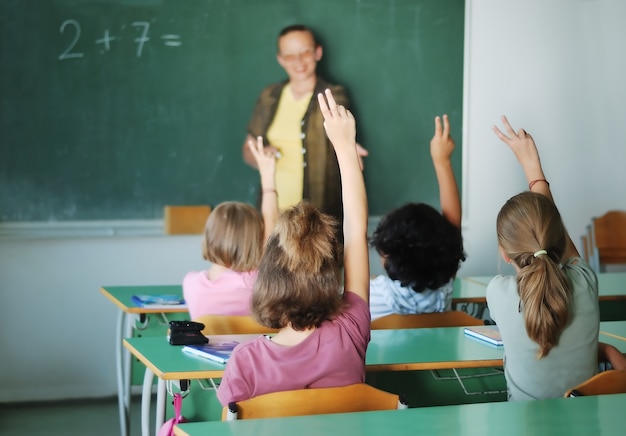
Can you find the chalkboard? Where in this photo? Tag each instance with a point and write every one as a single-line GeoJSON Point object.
{"type": "Point", "coordinates": [111, 109]}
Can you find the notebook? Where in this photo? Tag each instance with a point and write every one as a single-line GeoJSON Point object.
{"type": "Point", "coordinates": [487, 333]}
{"type": "Point", "coordinates": [158, 301]}
{"type": "Point", "coordinates": [216, 351]}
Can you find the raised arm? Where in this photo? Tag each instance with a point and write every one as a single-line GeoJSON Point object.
{"type": "Point", "coordinates": [266, 163]}
{"type": "Point", "coordinates": [441, 148]}
{"type": "Point", "coordinates": [525, 150]}
{"type": "Point", "coordinates": [341, 130]}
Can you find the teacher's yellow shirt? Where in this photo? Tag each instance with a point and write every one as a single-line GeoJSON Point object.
{"type": "Point", "coordinates": [285, 133]}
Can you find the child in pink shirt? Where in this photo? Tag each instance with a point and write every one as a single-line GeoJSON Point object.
{"type": "Point", "coordinates": [323, 334]}
{"type": "Point", "coordinates": [233, 240]}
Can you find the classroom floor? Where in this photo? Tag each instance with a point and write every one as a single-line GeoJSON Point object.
{"type": "Point", "coordinates": [73, 417]}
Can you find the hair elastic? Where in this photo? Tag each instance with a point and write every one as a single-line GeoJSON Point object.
{"type": "Point", "coordinates": [539, 253]}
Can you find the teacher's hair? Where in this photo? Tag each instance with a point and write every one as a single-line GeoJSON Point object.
{"type": "Point", "coordinates": [527, 224]}
{"type": "Point", "coordinates": [298, 28]}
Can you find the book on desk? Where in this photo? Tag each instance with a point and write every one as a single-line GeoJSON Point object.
{"type": "Point", "coordinates": [485, 333]}
{"type": "Point", "coordinates": [158, 301]}
{"type": "Point", "coordinates": [216, 351]}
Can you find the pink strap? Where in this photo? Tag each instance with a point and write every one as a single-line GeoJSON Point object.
{"type": "Point", "coordinates": [178, 404]}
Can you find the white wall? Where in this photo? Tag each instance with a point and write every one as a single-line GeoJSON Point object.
{"type": "Point", "coordinates": [557, 68]}
{"type": "Point", "coordinates": [57, 330]}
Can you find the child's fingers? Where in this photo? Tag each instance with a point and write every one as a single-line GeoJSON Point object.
{"type": "Point", "coordinates": [332, 104]}
{"type": "Point", "coordinates": [500, 135]}
{"type": "Point", "coordinates": [259, 144]}
{"type": "Point", "coordinates": [321, 100]}
{"type": "Point", "coordinates": [252, 146]}
{"type": "Point", "coordinates": [507, 125]}
{"type": "Point", "coordinates": [438, 128]}
{"type": "Point", "coordinates": [446, 126]}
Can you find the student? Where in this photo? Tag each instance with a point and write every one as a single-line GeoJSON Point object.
{"type": "Point", "coordinates": [233, 241]}
{"type": "Point", "coordinates": [287, 116]}
{"type": "Point", "coordinates": [420, 248]}
{"type": "Point", "coordinates": [548, 312]}
{"type": "Point", "coordinates": [323, 334]}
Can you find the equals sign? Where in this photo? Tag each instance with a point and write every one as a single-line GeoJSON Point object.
{"type": "Point", "coordinates": [171, 40]}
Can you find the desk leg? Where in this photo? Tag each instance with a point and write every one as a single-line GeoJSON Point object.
{"type": "Point", "coordinates": [146, 399]}
{"type": "Point", "coordinates": [123, 381]}
{"type": "Point", "coordinates": [160, 404]}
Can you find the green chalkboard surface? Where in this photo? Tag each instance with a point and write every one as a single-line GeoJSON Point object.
{"type": "Point", "coordinates": [111, 109]}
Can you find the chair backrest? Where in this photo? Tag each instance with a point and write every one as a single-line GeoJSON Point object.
{"type": "Point", "coordinates": [358, 397]}
{"type": "Point", "coordinates": [608, 239]}
{"type": "Point", "coordinates": [611, 381]}
{"type": "Point", "coordinates": [453, 318]}
{"type": "Point", "coordinates": [231, 325]}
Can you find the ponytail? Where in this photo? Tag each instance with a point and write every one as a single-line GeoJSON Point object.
{"type": "Point", "coordinates": [532, 234]}
{"type": "Point", "coordinates": [544, 293]}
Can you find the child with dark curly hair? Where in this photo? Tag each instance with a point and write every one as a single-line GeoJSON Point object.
{"type": "Point", "coordinates": [420, 248]}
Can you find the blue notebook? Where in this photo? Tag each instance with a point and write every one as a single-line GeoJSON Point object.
{"type": "Point", "coordinates": [157, 301]}
{"type": "Point", "coordinates": [216, 351]}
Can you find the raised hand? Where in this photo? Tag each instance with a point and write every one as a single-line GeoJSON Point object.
{"type": "Point", "coordinates": [339, 122]}
{"type": "Point", "coordinates": [442, 144]}
{"type": "Point", "coordinates": [521, 143]}
{"type": "Point", "coordinates": [265, 160]}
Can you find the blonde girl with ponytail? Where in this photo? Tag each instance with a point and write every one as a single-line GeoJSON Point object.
{"type": "Point", "coordinates": [548, 312]}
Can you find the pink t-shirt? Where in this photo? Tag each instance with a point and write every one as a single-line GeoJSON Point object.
{"type": "Point", "coordinates": [229, 294]}
{"type": "Point", "coordinates": [333, 355]}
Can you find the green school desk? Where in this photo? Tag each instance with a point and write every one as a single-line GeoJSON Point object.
{"type": "Point", "coordinates": [388, 350]}
{"type": "Point", "coordinates": [128, 313]}
{"type": "Point", "coordinates": [615, 330]}
{"type": "Point", "coordinates": [611, 286]}
{"type": "Point", "coordinates": [583, 416]}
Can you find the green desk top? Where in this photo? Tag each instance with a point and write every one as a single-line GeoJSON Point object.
{"type": "Point", "coordinates": [584, 416]}
{"type": "Point", "coordinates": [389, 350]}
{"type": "Point", "coordinates": [611, 286]}
{"type": "Point", "coordinates": [397, 350]}
{"type": "Point", "coordinates": [616, 331]}
{"type": "Point", "coordinates": [121, 297]}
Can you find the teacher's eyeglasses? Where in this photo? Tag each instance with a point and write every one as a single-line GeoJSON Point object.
{"type": "Point", "coordinates": [302, 56]}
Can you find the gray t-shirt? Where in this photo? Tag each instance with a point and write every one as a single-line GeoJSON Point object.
{"type": "Point", "coordinates": [572, 361]}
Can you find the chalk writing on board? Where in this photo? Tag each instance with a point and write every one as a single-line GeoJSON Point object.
{"type": "Point", "coordinates": [142, 36]}
{"type": "Point", "coordinates": [67, 53]}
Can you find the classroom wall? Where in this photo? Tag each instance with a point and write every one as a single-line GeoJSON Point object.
{"type": "Point", "coordinates": [556, 68]}
{"type": "Point", "coordinates": [56, 329]}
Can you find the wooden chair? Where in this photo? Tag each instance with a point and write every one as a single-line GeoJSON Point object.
{"type": "Point", "coordinates": [358, 397]}
{"type": "Point", "coordinates": [231, 325]}
{"type": "Point", "coordinates": [453, 318]}
{"type": "Point", "coordinates": [608, 239]}
{"type": "Point", "coordinates": [611, 381]}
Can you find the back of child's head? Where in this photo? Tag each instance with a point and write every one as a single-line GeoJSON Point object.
{"type": "Point", "coordinates": [233, 236]}
{"type": "Point", "coordinates": [531, 233]}
{"type": "Point", "coordinates": [420, 248]}
{"type": "Point", "coordinates": [299, 273]}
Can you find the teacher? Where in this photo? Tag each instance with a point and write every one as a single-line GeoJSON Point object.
{"type": "Point", "coordinates": [288, 118]}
